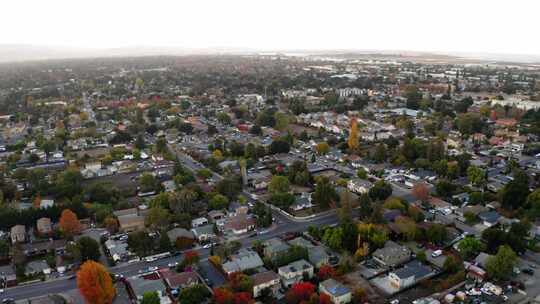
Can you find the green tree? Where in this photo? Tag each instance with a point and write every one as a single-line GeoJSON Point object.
{"type": "Point", "coordinates": [325, 193]}
{"type": "Point", "coordinates": [477, 176]}
{"type": "Point", "coordinates": [194, 295]}
{"type": "Point", "coordinates": [501, 265]}
{"type": "Point", "coordinates": [469, 247]}
{"type": "Point", "coordinates": [452, 264]}
{"type": "Point", "coordinates": [333, 238]}
{"type": "Point", "coordinates": [148, 183]}
{"type": "Point", "coordinates": [437, 234]}
{"type": "Point", "coordinates": [282, 121]}
{"type": "Point", "coordinates": [164, 242]}
{"type": "Point", "coordinates": [229, 187]}
{"type": "Point", "coordinates": [157, 218]}
{"type": "Point", "coordinates": [514, 194]}
{"type": "Point", "coordinates": [218, 202]}
{"type": "Point", "coordinates": [279, 184]}
{"type": "Point", "coordinates": [151, 297]}
{"type": "Point", "coordinates": [380, 191]}
{"type": "Point", "coordinates": [223, 118]}
{"type": "Point", "coordinates": [89, 249]}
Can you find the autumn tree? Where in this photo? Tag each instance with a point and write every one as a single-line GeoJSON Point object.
{"type": "Point", "coordinates": [353, 136]}
{"type": "Point", "coordinates": [95, 283]}
{"type": "Point", "coordinates": [69, 223]}
{"type": "Point", "coordinates": [420, 191]}
{"type": "Point", "coordinates": [223, 295]}
{"type": "Point", "coordinates": [300, 291]}
{"type": "Point", "coordinates": [326, 272]}
{"type": "Point", "coordinates": [322, 148]}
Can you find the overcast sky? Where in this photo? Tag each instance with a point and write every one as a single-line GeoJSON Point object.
{"type": "Point", "coordinates": [489, 26]}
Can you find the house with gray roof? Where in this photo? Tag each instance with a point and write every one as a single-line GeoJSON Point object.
{"type": "Point", "coordinates": [244, 259]}
{"type": "Point", "coordinates": [318, 256]}
{"type": "Point", "coordinates": [409, 274]}
{"type": "Point", "coordinates": [295, 272]}
{"type": "Point", "coordinates": [338, 293]}
{"type": "Point", "coordinates": [204, 233]}
{"type": "Point", "coordinates": [274, 246]}
{"type": "Point", "coordinates": [392, 254]}
{"type": "Point", "coordinates": [138, 286]}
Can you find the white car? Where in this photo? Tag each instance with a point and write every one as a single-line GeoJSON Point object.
{"type": "Point", "coordinates": [395, 301]}
{"type": "Point", "coordinates": [207, 246]}
{"type": "Point", "coordinates": [152, 268]}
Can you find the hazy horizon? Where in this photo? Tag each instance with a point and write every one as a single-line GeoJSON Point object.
{"type": "Point", "coordinates": [456, 27]}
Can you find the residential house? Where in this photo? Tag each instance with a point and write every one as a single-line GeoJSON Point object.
{"type": "Point", "coordinates": [260, 179]}
{"type": "Point", "coordinates": [138, 286]}
{"type": "Point", "coordinates": [302, 202]}
{"type": "Point", "coordinates": [489, 218]}
{"type": "Point", "coordinates": [18, 234]}
{"type": "Point", "coordinates": [408, 275]}
{"type": "Point", "coordinates": [46, 203]}
{"type": "Point", "coordinates": [204, 233]}
{"type": "Point", "coordinates": [338, 293]}
{"type": "Point", "coordinates": [318, 256]}
{"type": "Point", "coordinates": [243, 260]}
{"type": "Point", "coordinates": [117, 250]}
{"type": "Point", "coordinates": [129, 220]}
{"type": "Point", "coordinates": [301, 242]}
{"type": "Point", "coordinates": [392, 254]}
{"type": "Point", "coordinates": [481, 259]}
{"type": "Point", "coordinates": [177, 233]}
{"type": "Point", "coordinates": [295, 272]}
{"type": "Point", "coordinates": [178, 281]}
{"type": "Point", "coordinates": [359, 186]}
{"type": "Point", "coordinates": [215, 215]}
{"type": "Point", "coordinates": [266, 280]}
{"type": "Point", "coordinates": [37, 267]}
{"type": "Point", "coordinates": [44, 226]}
{"type": "Point", "coordinates": [199, 222]}
{"type": "Point", "coordinates": [239, 224]}
{"type": "Point", "coordinates": [273, 247]}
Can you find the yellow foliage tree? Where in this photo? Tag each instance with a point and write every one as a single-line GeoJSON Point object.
{"type": "Point", "coordinates": [353, 136]}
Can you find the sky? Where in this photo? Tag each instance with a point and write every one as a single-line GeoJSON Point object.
{"type": "Point", "coordinates": [484, 26]}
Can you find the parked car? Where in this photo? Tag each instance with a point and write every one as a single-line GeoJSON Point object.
{"type": "Point", "coordinates": [528, 271]}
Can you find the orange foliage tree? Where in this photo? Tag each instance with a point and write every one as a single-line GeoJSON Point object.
{"type": "Point", "coordinates": [69, 223]}
{"type": "Point", "coordinates": [95, 283]}
{"type": "Point", "coordinates": [420, 191]}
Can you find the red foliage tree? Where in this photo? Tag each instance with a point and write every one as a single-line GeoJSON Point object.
{"type": "Point", "coordinates": [301, 291]}
{"type": "Point", "coordinates": [326, 272]}
{"type": "Point", "coordinates": [243, 298]}
{"type": "Point", "coordinates": [324, 299]}
{"type": "Point", "coordinates": [223, 296]}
